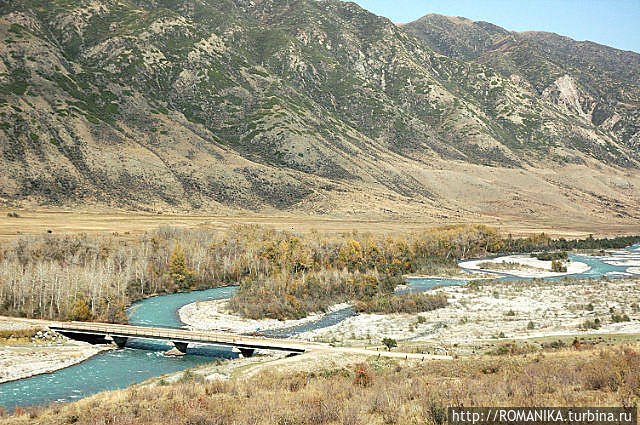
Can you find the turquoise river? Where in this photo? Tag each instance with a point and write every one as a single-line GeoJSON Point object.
{"type": "Point", "coordinates": [143, 360]}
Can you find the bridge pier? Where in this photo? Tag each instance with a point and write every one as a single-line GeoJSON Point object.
{"type": "Point", "coordinates": [120, 341]}
{"type": "Point", "coordinates": [246, 352]}
{"type": "Point", "coordinates": [180, 346]}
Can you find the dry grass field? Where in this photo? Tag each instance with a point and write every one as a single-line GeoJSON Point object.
{"type": "Point", "coordinates": [39, 221]}
{"type": "Point", "coordinates": [364, 390]}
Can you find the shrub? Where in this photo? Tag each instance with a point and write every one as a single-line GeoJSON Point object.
{"type": "Point", "coordinates": [403, 303]}
{"type": "Point", "coordinates": [558, 266]}
{"type": "Point", "coordinates": [18, 333]}
{"type": "Point", "coordinates": [437, 412]}
{"type": "Point", "coordinates": [13, 215]}
{"type": "Point", "coordinates": [80, 310]}
{"type": "Point", "coordinates": [19, 411]}
{"type": "Point", "coordinates": [189, 376]}
{"type": "Point", "coordinates": [591, 324]}
{"type": "Point", "coordinates": [621, 364]}
{"type": "Point", "coordinates": [474, 285]}
{"type": "Point", "coordinates": [617, 318]}
{"type": "Point", "coordinates": [550, 256]}
{"type": "Point", "coordinates": [512, 348]}
{"type": "Point", "coordinates": [390, 343]}
{"type": "Point", "coordinates": [362, 375]}
{"type": "Point", "coordinates": [557, 344]}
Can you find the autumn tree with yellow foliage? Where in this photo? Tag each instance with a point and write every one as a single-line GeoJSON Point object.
{"type": "Point", "coordinates": [181, 275]}
{"type": "Point", "coordinates": [80, 311]}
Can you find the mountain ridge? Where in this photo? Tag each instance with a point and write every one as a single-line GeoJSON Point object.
{"type": "Point", "coordinates": [463, 19]}
{"type": "Point", "coordinates": [550, 57]}
{"type": "Point", "coordinates": [296, 105]}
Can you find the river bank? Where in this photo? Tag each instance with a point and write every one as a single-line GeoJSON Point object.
{"type": "Point", "coordinates": [44, 352]}
{"type": "Point", "coordinates": [483, 311]}
{"type": "Point", "coordinates": [523, 266]}
{"type": "Point", "coordinates": [214, 315]}
{"type": "Point", "coordinates": [19, 362]}
{"type": "Point", "coordinates": [492, 310]}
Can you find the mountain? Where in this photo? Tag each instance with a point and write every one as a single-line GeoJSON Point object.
{"type": "Point", "coordinates": [299, 105]}
{"type": "Point", "coordinates": [589, 80]}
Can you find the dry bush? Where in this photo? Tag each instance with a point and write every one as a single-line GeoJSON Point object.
{"type": "Point", "coordinates": [18, 333]}
{"type": "Point", "coordinates": [363, 376]}
{"type": "Point", "coordinates": [514, 348]}
{"type": "Point", "coordinates": [402, 303]}
{"type": "Point", "coordinates": [216, 386]}
{"type": "Point", "coordinates": [622, 367]}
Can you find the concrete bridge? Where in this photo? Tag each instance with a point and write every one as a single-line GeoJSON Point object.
{"type": "Point", "coordinates": [105, 333]}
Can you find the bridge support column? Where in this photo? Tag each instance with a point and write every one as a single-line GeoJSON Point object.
{"type": "Point", "coordinates": [180, 346]}
{"type": "Point", "coordinates": [120, 341]}
{"type": "Point", "coordinates": [246, 352]}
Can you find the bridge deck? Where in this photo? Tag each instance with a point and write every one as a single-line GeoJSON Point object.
{"type": "Point", "coordinates": [184, 336]}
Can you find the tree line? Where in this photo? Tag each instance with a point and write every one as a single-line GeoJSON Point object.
{"type": "Point", "coordinates": [280, 274]}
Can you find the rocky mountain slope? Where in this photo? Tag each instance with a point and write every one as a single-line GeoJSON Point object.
{"type": "Point", "coordinates": [308, 106]}
{"type": "Point", "coordinates": [596, 82]}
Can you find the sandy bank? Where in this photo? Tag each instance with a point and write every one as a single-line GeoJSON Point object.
{"type": "Point", "coordinates": [624, 263]}
{"type": "Point", "coordinates": [49, 352]}
{"type": "Point", "coordinates": [513, 309]}
{"type": "Point", "coordinates": [617, 274]}
{"type": "Point", "coordinates": [466, 276]}
{"type": "Point", "coordinates": [19, 362]}
{"type": "Point", "coordinates": [529, 267]}
{"type": "Point", "coordinates": [214, 315]}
